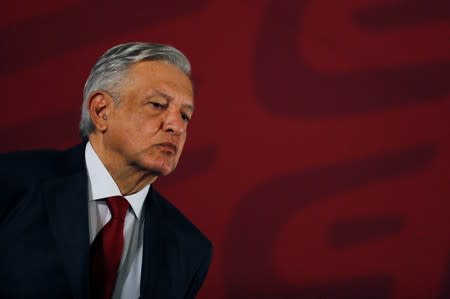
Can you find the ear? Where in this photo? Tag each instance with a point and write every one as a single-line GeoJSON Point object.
{"type": "Point", "coordinates": [100, 105]}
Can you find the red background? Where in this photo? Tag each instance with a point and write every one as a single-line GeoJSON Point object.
{"type": "Point", "coordinates": [318, 160]}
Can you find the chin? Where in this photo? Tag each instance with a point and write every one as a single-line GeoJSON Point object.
{"type": "Point", "coordinates": [160, 168]}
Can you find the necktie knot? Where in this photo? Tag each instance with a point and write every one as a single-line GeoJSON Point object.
{"type": "Point", "coordinates": [118, 206]}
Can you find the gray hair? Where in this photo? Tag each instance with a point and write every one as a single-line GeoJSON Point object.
{"type": "Point", "coordinates": [111, 67]}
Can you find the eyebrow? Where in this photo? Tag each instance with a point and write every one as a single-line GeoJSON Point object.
{"type": "Point", "coordinates": [170, 98]}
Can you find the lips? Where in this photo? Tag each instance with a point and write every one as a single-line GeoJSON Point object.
{"type": "Point", "coordinates": [168, 146]}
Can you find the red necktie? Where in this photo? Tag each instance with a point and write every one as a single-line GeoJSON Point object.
{"type": "Point", "coordinates": [106, 250]}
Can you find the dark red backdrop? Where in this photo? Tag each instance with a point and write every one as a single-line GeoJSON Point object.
{"type": "Point", "coordinates": [318, 160]}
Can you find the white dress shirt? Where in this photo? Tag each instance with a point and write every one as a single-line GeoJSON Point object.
{"type": "Point", "coordinates": [101, 185]}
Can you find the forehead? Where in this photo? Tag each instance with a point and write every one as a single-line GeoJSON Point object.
{"type": "Point", "coordinates": [161, 75]}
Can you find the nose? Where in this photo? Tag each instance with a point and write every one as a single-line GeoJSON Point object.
{"type": "Point", "coordinates": [174, 123]}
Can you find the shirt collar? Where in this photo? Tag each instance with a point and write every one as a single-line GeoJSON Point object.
{"type": "Point", "coordinates": [102, 185]}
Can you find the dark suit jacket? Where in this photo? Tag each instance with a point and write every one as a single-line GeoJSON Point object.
{"type": "Point", "coordinates": [44, 234]}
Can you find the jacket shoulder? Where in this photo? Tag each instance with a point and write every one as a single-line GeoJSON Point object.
{"type": "Point", "coordinates": [28, 163]}
{"type": "Point", "coordinates": [39, 164]}
{"type": "Point", "coordinates": [21, 171]}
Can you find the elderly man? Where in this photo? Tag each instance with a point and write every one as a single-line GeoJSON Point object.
{"type": "Point", "coordinates": [87, 222]}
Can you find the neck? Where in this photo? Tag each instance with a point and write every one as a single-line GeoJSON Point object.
{"type": "Point", "coordinates": [128, 178]}
{"type": "Point", "coordinates": [130, 181]}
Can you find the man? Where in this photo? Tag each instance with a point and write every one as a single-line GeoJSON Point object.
{"type": "Point", "coordinates": [86, 222]}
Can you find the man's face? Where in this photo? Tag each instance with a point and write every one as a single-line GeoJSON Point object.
{"type": "Point", "coordinates": [147, 129]}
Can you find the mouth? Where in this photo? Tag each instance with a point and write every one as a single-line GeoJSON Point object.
{"type": "Point", "coordinates": [168, 147]}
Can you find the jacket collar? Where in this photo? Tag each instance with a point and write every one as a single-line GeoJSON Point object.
{"type": "Point", "coordinates": [160, 250]}
{"type": "Point", "coordinates": [66, 200]}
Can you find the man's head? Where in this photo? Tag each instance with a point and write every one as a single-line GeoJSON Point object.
{"type": "Point", "coordinates": [137, 103]}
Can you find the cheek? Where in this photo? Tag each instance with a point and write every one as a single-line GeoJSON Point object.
{"type": "Point", "coordinates": [181, 146]}
{"type": "Point", "coordinates": [182, 141]}
{"type": "Point", "coordinates": [141, 130]}
{"type": "Point", "coordinates": [149, 126]}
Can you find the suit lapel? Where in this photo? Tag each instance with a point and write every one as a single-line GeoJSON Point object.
{"type": "Point", "coordinates": [66, 199]}
{"type": "Point", "coordinates": [155, 280]}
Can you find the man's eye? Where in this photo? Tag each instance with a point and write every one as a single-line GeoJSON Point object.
{"type": "Point", "coordinates": [157, 105]}
{"type": "Point", "coordinates": [185, 117]}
